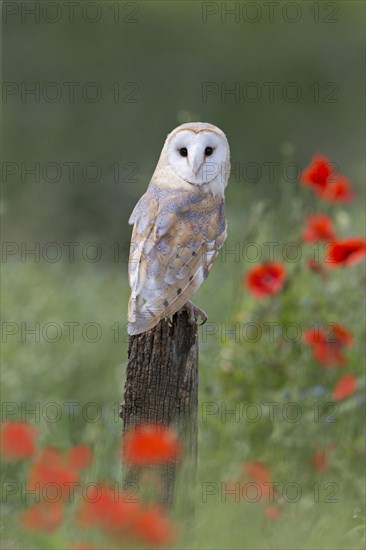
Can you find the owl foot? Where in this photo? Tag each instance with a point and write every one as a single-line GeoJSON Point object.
{"type": "Point", "coordinates": [194, 312]}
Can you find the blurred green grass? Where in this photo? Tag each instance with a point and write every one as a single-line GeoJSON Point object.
{"type": "Point", "coordinates": [232, 374]}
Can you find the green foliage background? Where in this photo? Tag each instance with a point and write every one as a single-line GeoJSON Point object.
{"type": "Point", "coordinates": [169, 53]}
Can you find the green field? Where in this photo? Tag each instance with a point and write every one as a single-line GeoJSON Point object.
{"type": "Point", "coordinates": [281, 396]}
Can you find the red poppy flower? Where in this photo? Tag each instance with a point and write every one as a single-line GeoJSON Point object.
{"type": "Point", "coordinates": [153, 526]}
{"type": "Point", "coordinates": [318, 174]}
{"type": "Point", "coordinates": [336, 333]}
{"type": "Point", "coordinates": [265, 279]}
{"type": "Point", "coordinates": [107, 509]}
{"type": "Point", "coordinates": [328, 346]}
{"type": "Point", "coordinates": [257, 472]}
{"type": "Point", "coordinates": [52, 474]}
{"type": "Point", "coordinates": [341, 334]}
{"type": "Point", "coordinates": [17, 440]}
{"type": "Point", "coordinates": [150, 444]}
{"type": "Point", "coordinates": [319, 460]}
{"type": "Point", "coordinates": [345, 252]}
{"type": "Point", "coordinates": [338, 191]}
{"type": "Point", "coordinates": [80, 457]}
{"type": "Point", "coordinates": [325, 181]}
{"type": "Point", "coordinates": [346, 386]}
{"type": "Point", "coordinates": [43, 517]}
{"type": "Point", "coordinates": [319, 228]}
{"type": "Point", "coordinates": [272, 512]}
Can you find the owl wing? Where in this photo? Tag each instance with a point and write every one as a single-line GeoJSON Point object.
{"type": "Point", "coordinates": [175, 240]}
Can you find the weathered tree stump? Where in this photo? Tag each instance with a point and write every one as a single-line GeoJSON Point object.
{"type": "Point", "coordinates": [162, 387]}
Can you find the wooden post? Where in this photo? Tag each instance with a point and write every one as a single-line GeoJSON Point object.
{"type": "Point", "coordinates": [162, 387]}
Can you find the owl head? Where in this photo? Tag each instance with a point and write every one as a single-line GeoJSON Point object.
{"type": "Point", "coordinates": [198, 153]}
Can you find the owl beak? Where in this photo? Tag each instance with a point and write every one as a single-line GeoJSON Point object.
{"type": "Point", "coordinates": [196, 164]}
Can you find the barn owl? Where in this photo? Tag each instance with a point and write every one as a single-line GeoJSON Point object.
{"type": "Point", "coordinates": [179, 225]}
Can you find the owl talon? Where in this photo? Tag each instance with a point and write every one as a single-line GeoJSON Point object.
{"type": "Point", "coordinates": [204, 320]}
{"type": "Point", "coordinates": [194, 312]}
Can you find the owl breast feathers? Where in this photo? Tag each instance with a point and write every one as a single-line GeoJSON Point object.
{"type": "Point", "coordinates": [179, 225]}
{"type": "Point", "coordinates": [175, 239]}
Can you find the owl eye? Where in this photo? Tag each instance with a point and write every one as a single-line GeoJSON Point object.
{"type": "Point", "coordinates": [208, 151]}
{"type": "Point", "coordinates": [183, 152]}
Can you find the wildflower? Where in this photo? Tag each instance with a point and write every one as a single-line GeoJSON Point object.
{"type": "Point", "coordinates": [339, 191]}
{"type": "Point", "coordinates": [319, 460]}
{"type": "Point", "coordinates": [327, 183]}
{"type": "Point", "coordinates": [107, 509]}
{"type": "Point", "coordinates": [265, 279]}
{"type": "Point", "coordinates": [17, 440]}
{"type": "Point", "coordinates": [346, 386]}
{"type": "Point", "coordinates": [52, 473]}
{"type": "Point", "coordinates": [153, 526]}
{"type": "Point", "coordinates": [319, 228]}
{"type": "Point", "coordinates": [272, 512]}
{"type": "Point", "coordinates": [318, 174]}
{"type": "Point", "coordinates": [345, 252]}
{"type": "Point", "coordinates": [327, 347]}
{"type": "Point", "coordinates": [259, 473]}
{"type": "Point", "coordinates": [43, 517]}
{"type": "Point", "coordinates": [150, 444]}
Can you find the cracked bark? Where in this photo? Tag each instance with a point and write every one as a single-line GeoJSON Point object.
{"type": "Point", "coordinates": [162, 387]}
